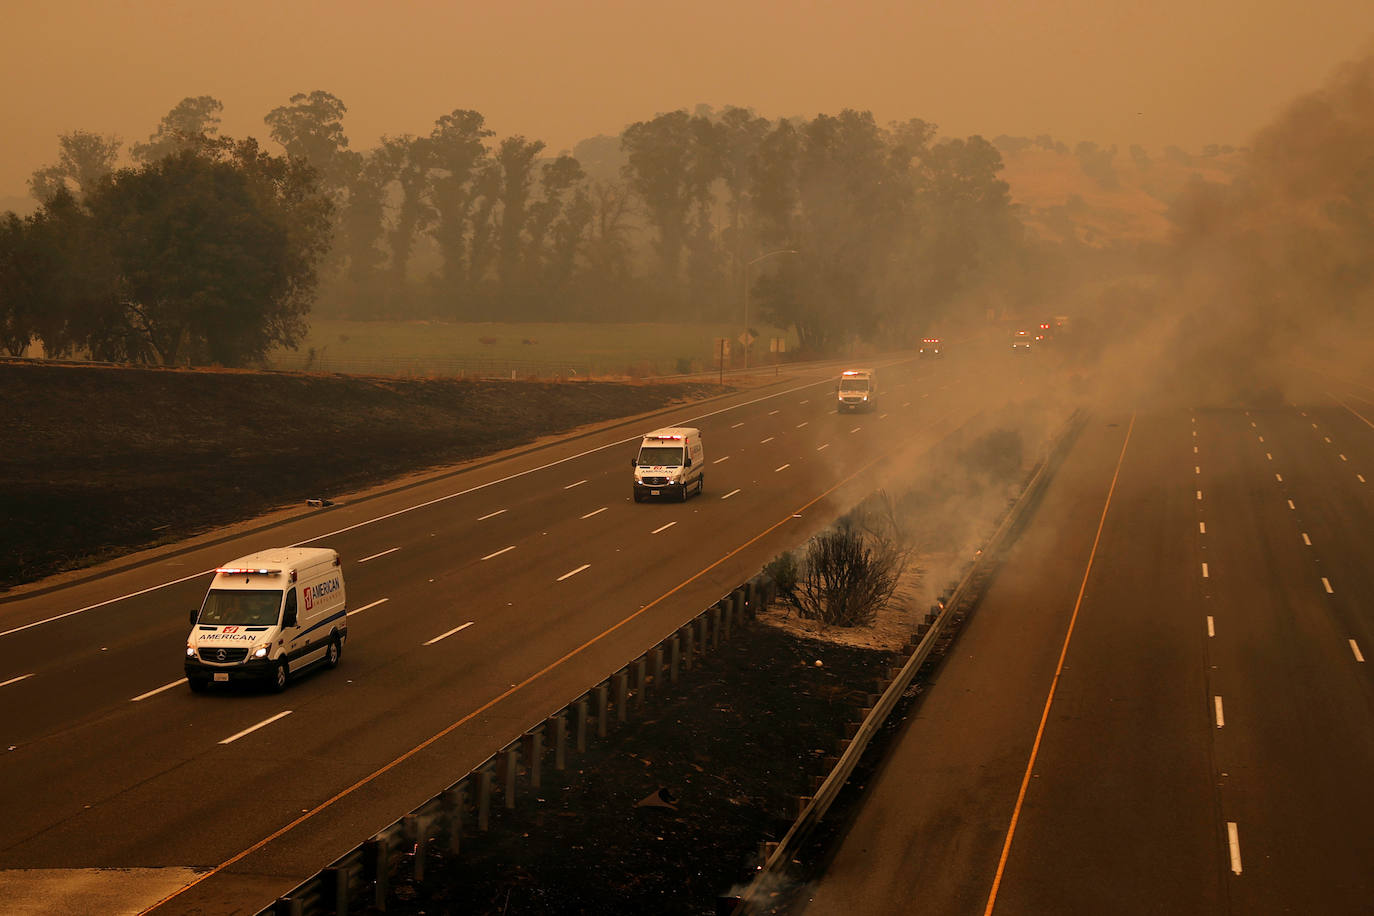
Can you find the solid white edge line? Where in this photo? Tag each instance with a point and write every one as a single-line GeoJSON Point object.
{"type": "Point", "coordinates": [499, 552]}
{"type": "Point", "coordinates": [1233, 840]}
{"type": "Point", "coordinates": [766, 441]}
{"type": "Point", "coordinates": [1326, 584]}
{"type": "Point", "coordinates": [596, 512]}
{"type": "Point", "coordinates": [448, 634]}
{"type": "Point", "coordinates": [1211, 626]}
{"type": "Point", "coordinates": [856, 429]}
{"type": "Point", "coordinates": [1354, 647]}
{"type": "Point", "coordinates": [15, 680]}
{"type": "Point", "coordinates": [663, 528]}
{"type": "Point", "coordinates": [152, 693]}
{"type": "Point", "coordinates": [569, 575]}
{"type": "Point", "coordinates": [578, 484]}
{"type": "Point", "coordinates": [490, 515]}
{"type": "Point", "coordinates": [803, 423]}
{"type": "Point", "coordinates": [359, 610]}
{"type": "Point", "coordinates": [1221, 718]}
{"type": "Point", "coordinates": [783, 468]}
{"type": "Point", "coordinates": [772, 413]}
{"type": "Point", "coordinates": [252, 728]}
{"type": "Point", "coordinates": [376, 555]}
{"type": "Point", "coordinates": [821, 448]}
{"type": "Point", "coordinates": [731, 493]}
{"type": "Point", "coordinates": [407, 509]}
{"type": "Point", "coordinates": [719, 460]}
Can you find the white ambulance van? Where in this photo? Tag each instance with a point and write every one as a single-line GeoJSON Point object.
{"type": "Point", "coordinates": [671, 463]}
{"type": "Point", "coordinates": [857, 390]}
{"type": "Point", "coordinates": [268, 616]}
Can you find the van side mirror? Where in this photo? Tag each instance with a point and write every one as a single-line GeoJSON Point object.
{"type": "Point", "coordinates": [634, 462]}
{"type": "Point", "coordinates": [288, 618]}
{"type": "Point", "coordinates": [195, 612]}
{"type": "Point", "coordinates": [689, 462]}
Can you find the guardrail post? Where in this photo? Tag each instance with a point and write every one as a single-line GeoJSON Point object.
{"type": "Point", "coordinates": [511, 760]}
{"type": "Point", "coordinates": [714, 624]}
{"type": "Point", "coordinates": [688, 646]}
{"type": "Point", "coordinates": [484, 798]}
{"type": "Point", "coordinates": [454, 799]}
{"type": "Point", "coordinates": [641, 684]}
{"type": "Point", "coordinates": [376, 855]}
{"type": "Point", "coordinates": [534, 753]}
{"type": "Point", "coordinates": [674, 657]}
{"type": "Point", "coordinates": [656, 664]}
{"type": "Point", "coordinates": [602, 698]}
{"type": "Point", "coordinates": [288, 906]}
{"type": "Point", "coordinates": [622, 692]}
{"type": "Point", "coordinates": [580, 724]}
{"type": "Point", "coordinates": [417, 829]}
{"type": "Point", "coordinates": [334, 890]}
{"type": "Point", "coordinates": [560, 740]}
{"type": "Point", "coordinates": [728, 616]}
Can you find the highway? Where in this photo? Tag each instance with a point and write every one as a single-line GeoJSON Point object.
{"type": "Point", "coordinates": [481, 600]}
{"type": "Point", "coordinates": [1162, 704]}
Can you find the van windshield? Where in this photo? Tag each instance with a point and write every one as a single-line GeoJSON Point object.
{"type": "Point", "coordinates": [660, 456]}
{"type": "Point", "coordinates": [249, 608]}
{"type": "Point", "coordinates": [854, 384]}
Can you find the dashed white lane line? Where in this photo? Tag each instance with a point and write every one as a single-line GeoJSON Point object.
{"type": "Point", "coordinates": [491, 515]}
{"type": "Point", "coordinates": [774, 412]}
{"type": "Point", "coordinates": [1195, 450]}
{"type": "Point", "coordinates": [1261, 438]}
{"type": "Point", "coordinates": [1221, 718]}
{"type": "Point", "coordinates": [15, 680]}
{"type": "Point", "coordinates": [1194, 434]}
{"type": "Point", "coordinates": [783, 468]}
{"type": "Point", "coordinates": [578, 484]}
{"type": "Point", "coordinates": [856, 429]}
{"type": "Point", "coordinates": [1268, 456]}
{"type": "Point", "coordinates": [1343, 458]}
{"type": "Point", "coordinates": [1290, 504]}
{"type": "Point", "coordinates": [1199, 494]}
{"type": "Point", "coordinates": [1355, 647]}
{"type": "Point", "coordinates": [1201, 527]}
{"type": "Point", "coordinates": [737, 425]}
{"type": "Point", "coordinates": [1211, 626]}
{"type": "Point", "coordinates": [154, 692]}
{"type": "Point", "coordinates": [1328, 439]}
{"type": "Point", "coordinates": [1205, 574]}
{"type": "Point", "coordinates": [457, 629]}
{"type": "Point", "coordinates": [719, 460]}
{"type": "Point", "coordinates": [882, 416]}
{"type": "Point", "coordinates": [1306, 540]}
{"type": "Point", "coordinates": [596, 512]}
{"type": "Point", "coordinates": [906, 403]}
{"type": "Point", "coordinates": [1314, 426]}
{"type": "Point", "coordinates": [663, 528]}
{"type": "Point", "coordinates": [1326, 584]}
{"type": "Point", "coordinates": [1197, 469]}
{"type": "Point", "coordinates": [731, 493]}
{"type": "Point", "coordinates": [1361, 477]}
{"type": "Point", "coordinates": [803, 423]}
{"type": "Point", "coordinates": [1279, 478]}
{"type": "Point", "coordinates": [571, 573]}
{"type": "Point", "coordinates": [821, 448]}
{"type": "Point", "coordinates": [1252, 423]}
{"type": "Point", "coordinates": [499, 552]}
{"type": "Point", "coordinates": [359, 610]}
{"type": "Point", "coordinates": [376, 555]}
{"type": "Point", "coordinates": [1233, 840]}
{"type": "Point", "coordinates": [807, 401]}
{"type": "Point", "coordinates": [766, 441]}
{"type": "Point", "coordinates": [252, 728]}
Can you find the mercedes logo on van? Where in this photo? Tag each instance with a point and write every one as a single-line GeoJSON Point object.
{"type": "Point", "coordinates": [220, 655]}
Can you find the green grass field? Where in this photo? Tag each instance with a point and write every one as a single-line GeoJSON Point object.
{"type": "Point", "coordinates": [442, 348]}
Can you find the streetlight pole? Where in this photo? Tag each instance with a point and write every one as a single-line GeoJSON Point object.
{"type": "Point", "coordinates": [750, 264]}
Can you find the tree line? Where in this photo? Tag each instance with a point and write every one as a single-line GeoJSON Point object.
{"type": "Point", "coordinates": [210, 249]}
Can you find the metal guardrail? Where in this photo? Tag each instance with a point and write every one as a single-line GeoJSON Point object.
{"type": "Point", "coordinates": [362, 875]}
{"type": "Point", "coordinates": [780, 855]}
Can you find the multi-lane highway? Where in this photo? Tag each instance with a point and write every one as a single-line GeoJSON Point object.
{"type": "Point", "coordinates": [480, 601]}
{"type": "Point", "coordinates": [1163, 703]}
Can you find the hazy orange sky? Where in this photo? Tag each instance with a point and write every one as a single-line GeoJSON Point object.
{"type": "Point", "coordinates": [1155, 72]}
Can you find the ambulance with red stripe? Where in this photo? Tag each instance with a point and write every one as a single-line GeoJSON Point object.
{"type": "Point", "coordinates": [267, 617]}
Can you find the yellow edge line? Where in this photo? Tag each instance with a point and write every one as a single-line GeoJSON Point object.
{"type": "Point", "coordinates": [513, 690]}
{"type": "Point", "coordinates": [1049, 700]}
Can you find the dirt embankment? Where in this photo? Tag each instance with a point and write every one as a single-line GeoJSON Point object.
{"type": "Point", "coordinates": [100, 461]}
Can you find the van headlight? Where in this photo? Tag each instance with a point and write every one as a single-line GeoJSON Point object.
{"type": "Point", "coordinates": [190, 650]}
{"type": "Point", "coordinates": [261, 651]}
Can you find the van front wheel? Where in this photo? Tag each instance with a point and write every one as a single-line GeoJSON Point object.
{"type": "Point", "coordinates": [331, 655]}
{"type": "Point", "coordinates": [280, 675]}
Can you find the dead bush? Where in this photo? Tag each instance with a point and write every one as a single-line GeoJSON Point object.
{"type": "Point", "coordinates": [851, 571]}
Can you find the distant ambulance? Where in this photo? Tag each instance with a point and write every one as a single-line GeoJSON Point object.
{"type": "Point", "coordinates": [857, 390]}
{"type": "Point", "coordinates": [670, 464]}
{"type": "Point", "coordinates": [268, 616]}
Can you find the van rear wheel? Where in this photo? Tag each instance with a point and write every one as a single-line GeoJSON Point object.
{"type": "Point", "coordinates": [331, 655]}
{"type": "Point", "coordinates": [280, 675]}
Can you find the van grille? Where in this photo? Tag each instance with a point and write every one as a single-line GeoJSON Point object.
{"type": "Point", "coordinates": [223, 656]}
{"type": "Point", "coordinates": [654, 481]}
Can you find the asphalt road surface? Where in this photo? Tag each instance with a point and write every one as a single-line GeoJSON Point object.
{"type": "Point", "coordinates": [1162, 704]}
{"type": "Point", "coordinates": [480, 601]}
